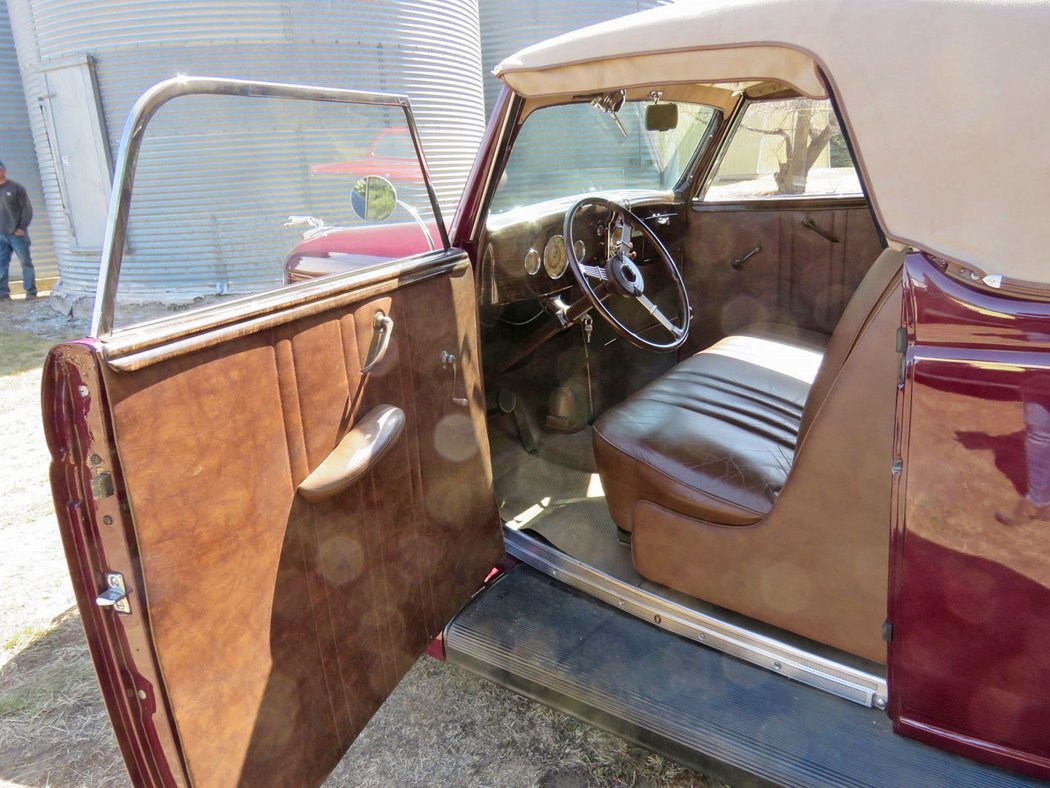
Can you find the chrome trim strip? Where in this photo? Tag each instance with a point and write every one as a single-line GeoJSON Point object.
{"type": "Point", "coordinates": [844, 681]}
{"type": "Point", "coordinates": [131, 143]}
{"type": "Point", "coordinates": [169, 337]}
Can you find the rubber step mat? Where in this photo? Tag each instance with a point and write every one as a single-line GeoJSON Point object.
{"type": "Point", "coordinates": [744, 724]}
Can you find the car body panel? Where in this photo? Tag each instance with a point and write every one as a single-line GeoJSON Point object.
{"type": "Point", "coordinates": [381, 159]}
{"type": "Point", "coordinates": [968, 668]}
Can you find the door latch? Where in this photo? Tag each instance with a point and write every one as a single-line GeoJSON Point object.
{"type": "Point", "coordinates": [115, 595]}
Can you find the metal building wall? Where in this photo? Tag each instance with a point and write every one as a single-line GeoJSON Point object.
{"type": "Point", "coordinates": [16, 151]}
{"type": "Point", "coordinates": [510, 25]}
{"type": "Point", "coordinates": [429, 49]}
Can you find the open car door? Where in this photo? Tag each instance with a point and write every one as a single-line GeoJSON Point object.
{"type": "Point", "coordinates": [270, 505]}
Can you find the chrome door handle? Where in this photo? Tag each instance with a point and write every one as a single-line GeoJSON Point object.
{"type": "Point", "coordinates": [383, 325]}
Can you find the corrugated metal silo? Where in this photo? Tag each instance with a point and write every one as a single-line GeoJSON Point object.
{"type": "Point", "coordinates": [429, 49]}
{"type": "Point", "coordinates": [16, 151]}
{"type": "Point", "coordinates": [510, 25]}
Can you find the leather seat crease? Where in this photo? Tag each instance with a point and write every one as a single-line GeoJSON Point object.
{"type": "Point", "coordinates": [714, 437]}
{"type": "Point", "coordinates": [735, 429]}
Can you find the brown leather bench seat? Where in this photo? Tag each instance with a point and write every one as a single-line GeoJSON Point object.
{"type": "Point", "coordinates": [755, 474]}
{"type": "Point", "coordinates": [713, 438]}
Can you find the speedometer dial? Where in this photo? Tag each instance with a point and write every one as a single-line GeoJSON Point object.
{"type": "Point", "coordinates": [532, 262]}
{"type": "Point", "coordinates": [555, 257]}
{"type": "Point", "coordinates": [580, 250]}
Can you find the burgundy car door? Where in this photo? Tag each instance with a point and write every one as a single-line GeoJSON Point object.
{"type": "Point", "coordinates": [270, 506]}
{"type": "Point", "coordinates": [970, 567]}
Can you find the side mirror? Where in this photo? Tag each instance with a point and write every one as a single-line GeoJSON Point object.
{"type": "Point", "coordinates": [373, 198]}
{"type": "Point", "coordinates": [661, 117]}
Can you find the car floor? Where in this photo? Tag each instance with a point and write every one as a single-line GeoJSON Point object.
{"type": "Point", "coordinates": [554, 494]}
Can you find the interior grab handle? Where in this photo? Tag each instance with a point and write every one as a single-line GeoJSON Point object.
{"type": "Point", "coordinates": [384, 329]}
{"type": "Point", "coordinates": [357, 453]}
{"type": "Point", "coordinates": [809, 224]}
{"type": "Point", "coordinates": [738, 263]}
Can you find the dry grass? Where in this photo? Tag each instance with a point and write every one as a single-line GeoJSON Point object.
{"type": "Point", "coordinates": [21, 352]}
{"type": "Point", "coordinates": [442, 726]}
{"type": "Point", "coordinates": [54, 728]}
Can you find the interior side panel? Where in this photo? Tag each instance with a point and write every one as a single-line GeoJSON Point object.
{"type": "Point", "coordinates": [281, 625]}
{"type": "Point", "coordinates": [799, 277]}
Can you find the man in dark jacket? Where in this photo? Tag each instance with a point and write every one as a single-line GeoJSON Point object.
{"type": "Point", "coordinates": [16, 212]}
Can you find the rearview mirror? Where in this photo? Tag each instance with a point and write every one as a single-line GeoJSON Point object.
{"type": "Point", "coordinates": [661, 117]}
{"type": "Point", "coordinates": [373, 198]}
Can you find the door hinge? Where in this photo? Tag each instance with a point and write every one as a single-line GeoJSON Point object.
{"type": "Point", "coordinates": [902, 340]}
{"type": "Point", "coordinates": [902, 351]}
{"type": "Point", "coordinates": [887, 631]}
{"type": "Point", "coordinates": [115, 595]}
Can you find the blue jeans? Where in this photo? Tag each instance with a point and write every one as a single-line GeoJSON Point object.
{"type": "Point", "coordinates": [19, 244]}
{"type": "Point", "coordinates": [1037, 451]}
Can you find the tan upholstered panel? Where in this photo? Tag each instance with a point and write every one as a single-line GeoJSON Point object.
{"type": "Point", "coordinates": [280, 625]}
{"type": "Point", "coordinates": [799, 278]}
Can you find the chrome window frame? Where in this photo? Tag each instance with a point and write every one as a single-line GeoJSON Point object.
{"type": "Point", "coordinates": [131, 144]}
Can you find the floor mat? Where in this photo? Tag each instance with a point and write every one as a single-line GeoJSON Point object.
{"type": "Point", "coordinates": [584, 530]}
{"type": "Point", "coordinates": [556, 494]}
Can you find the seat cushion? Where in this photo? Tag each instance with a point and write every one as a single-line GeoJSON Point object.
{"type": "Point", "coordinates": [713, 438]}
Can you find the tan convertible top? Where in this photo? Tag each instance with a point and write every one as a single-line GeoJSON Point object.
{"type": "Point", "coordinates": [947, 101]}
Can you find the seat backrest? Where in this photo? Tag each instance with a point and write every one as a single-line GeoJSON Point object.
{"type": "Point", "coordinates": [879, 284]}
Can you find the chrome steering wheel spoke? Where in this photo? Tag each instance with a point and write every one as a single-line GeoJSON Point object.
{"type": "Point", "coordinates": [654, 310]}
{"type": "Point", "coordinates": [595, 272]}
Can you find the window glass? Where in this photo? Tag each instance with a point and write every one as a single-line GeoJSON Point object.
{"type": "Point", "coordinates": [785, 149]}
{"type": "Point", "coordinates": [236, 195]}
{"type": "Point", "coordinates": [577, 148]}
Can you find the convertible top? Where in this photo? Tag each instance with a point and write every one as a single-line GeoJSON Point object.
{"type": "Point", "coordinates": [947, 101]}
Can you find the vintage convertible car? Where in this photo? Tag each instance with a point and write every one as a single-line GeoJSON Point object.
{"type": "Point", "coordinates": [727, 388]}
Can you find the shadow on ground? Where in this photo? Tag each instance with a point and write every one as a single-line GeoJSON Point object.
{"type": "Point", "coordinates": [53, 724]}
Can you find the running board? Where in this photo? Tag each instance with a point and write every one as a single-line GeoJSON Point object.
{"type": "Point", "coordinates": [734, 721]}
{"type": "Point", "coordinates": [844, 681]}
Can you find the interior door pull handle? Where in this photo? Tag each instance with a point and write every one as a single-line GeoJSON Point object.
{"type": "Point", "coordinates": [738, 263]}
{"type": "Point", "coordinates": [809, 224]}
{"type": "Point", "coordinates": [357, 453]}
{"type": "Point", "coordinates": [383, 326]}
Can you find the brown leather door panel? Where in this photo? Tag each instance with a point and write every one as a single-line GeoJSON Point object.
{"type": "Point", "coordinates": [279, 625]}
{"type": "Point", "coordinates": [799, 277]}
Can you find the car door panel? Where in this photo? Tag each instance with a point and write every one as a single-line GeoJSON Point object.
{"type": "Point", "coordinates": [798, 276]}
{"type": "Point", "coordinates": [279, 625]}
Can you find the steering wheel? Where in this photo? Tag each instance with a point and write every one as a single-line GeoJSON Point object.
{"type": "Point", "coordinates": [620, 276]}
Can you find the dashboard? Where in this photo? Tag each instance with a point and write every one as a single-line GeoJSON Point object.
{"type": "Point", "coordinates": [525, 254]}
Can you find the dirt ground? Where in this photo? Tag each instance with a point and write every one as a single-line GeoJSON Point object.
{"type": "Point", "coordinates": [442, 726]}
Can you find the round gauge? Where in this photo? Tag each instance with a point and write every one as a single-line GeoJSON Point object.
{"type": "Point", "coordinates": [532, 262]}
{"type": "Point", "coordinates": [555, 257]}
{"type": "Point", "coordinates": [580, 250]}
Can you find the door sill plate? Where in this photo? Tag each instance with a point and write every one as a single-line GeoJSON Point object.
{"type": "Point", "coordinates": [836, 678]}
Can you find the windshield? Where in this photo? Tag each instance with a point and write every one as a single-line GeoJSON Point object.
{"type": "Point", "coordinates": [577, 148]}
